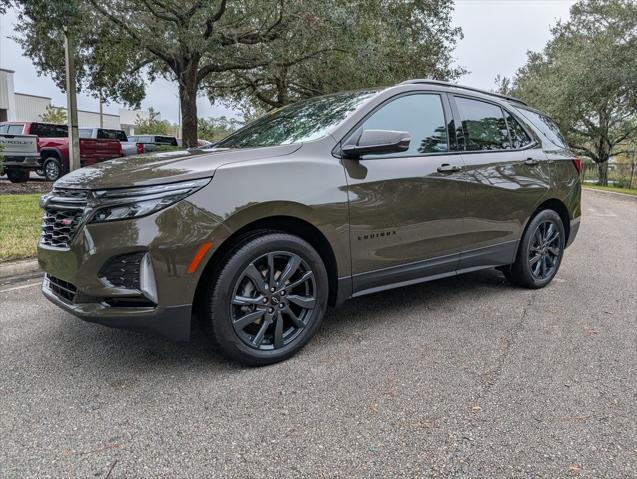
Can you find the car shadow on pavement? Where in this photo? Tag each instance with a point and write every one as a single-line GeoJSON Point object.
{"type": "Point", "coordinates": [96, 347]}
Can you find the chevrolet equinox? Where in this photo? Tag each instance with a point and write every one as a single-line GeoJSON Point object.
{"type": "Point", "coordinates": [326, 199]}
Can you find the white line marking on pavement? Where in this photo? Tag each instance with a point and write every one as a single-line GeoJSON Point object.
{"type": "Point", "coordinates": [15, 288]}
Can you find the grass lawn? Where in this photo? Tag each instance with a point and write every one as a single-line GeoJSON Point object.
{"type": "Point", "coordinates": [20, 221]}
{"type": "Point", "coordinates": [628, 191]}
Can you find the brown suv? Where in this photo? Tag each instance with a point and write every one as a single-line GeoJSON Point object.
{"type": "Point", "coordinates": [326, 199]}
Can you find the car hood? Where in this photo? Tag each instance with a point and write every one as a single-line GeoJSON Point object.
{"type": "Point", "coordinates": [163, 167]}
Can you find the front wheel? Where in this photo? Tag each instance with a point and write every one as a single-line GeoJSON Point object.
{"type": "Point", "coordinates": [268, 300]}
{"type": "Point", "coordinates": [540, 251]}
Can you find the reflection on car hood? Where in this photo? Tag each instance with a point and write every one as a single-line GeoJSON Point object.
{"type": "Point", "coordinates": [163, 167]}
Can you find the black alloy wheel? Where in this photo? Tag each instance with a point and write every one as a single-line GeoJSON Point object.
{"type": "Point", "coordinates": [545, 250]}
{"type": "Point", "coordinates": [265, 299]}
{"type": "Point", "coordinates": [273, 300]}
{"type": "Point", "coordinates": [540, 251]}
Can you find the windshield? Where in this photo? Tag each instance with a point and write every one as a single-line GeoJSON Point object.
{"type": "Point", "coordinates": [304, 121]}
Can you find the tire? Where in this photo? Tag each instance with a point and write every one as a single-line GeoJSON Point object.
{"type": "Point", "coordinates": [52, 169]}
{"type": "Point", "coordinates": [540, 252]}
{"type": "Point", "coordinates": [17, 175]}
{"type": "Point", "coordinates": [39, 172]}
{"type": "Point", "coordinates": [249, 322]}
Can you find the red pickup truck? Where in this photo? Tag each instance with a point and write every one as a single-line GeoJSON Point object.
{"type": "Point", "coordinates": [53, 145]}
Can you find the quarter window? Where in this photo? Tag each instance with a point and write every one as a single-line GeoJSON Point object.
{"type": "Point", "coordinates": [483, 125]}
{"type": "Point", "coordinates": [421, 115]}
{"type": "Point", "coordinates": [519, 136]}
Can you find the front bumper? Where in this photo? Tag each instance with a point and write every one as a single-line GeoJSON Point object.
{"type": "Point", "coordinates": [162, 300]}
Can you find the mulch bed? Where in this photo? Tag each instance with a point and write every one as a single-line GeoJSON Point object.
{"type": "Point", "coordinates": [8, 188]}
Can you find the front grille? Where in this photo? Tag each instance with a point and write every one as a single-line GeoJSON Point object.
{"type": "Point", "coordinates": [62, 289]}
{"type": "Point", "coordinates": [123, 271]}
{"type": "Point", "coordinates": [63, 213]}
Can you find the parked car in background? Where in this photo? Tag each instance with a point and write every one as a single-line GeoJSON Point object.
{"type": "Point", "coordinates": [200, 143]}
{"type": "Point", "coordinates": [326, 199]}
{"type": "Point", "coordinates": [128, 147]}
{"type": "Point", "coordinates": [53, 144]}
{"type": "Point", "coordinates": [159, 140]}
{"type": "Point", "coordinates": [19, 153]}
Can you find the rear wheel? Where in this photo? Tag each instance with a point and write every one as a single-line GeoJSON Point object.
{"type": "Point", "coordinates": [268, 300]}
{"type": "Point", "coordinates": [17, 175]}
{"type": "Point", "coordinates": [52, 169]}
{"type": "Point", "coordinates": [540, 252]}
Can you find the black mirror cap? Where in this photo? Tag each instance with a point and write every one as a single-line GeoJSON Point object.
{"type": "Point", "coordinates": [376, 142]}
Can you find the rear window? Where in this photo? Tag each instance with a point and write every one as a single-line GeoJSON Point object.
{"type": "Point", "coordinates": [547, 127]}
{"type": "Point", "coordinates": [85, 133]}
{"type": "Point", "coordinates": [46, 130]}
{"type": "Point", "coordinates": [15, 129]}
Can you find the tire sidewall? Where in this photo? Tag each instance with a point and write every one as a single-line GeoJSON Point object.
{"type": "Point", "coordinates": [231, 273]}
{"type": "Point", "coordinates": [542, 216]}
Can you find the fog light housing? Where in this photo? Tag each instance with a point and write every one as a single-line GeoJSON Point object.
{"type": "Point", "coordinates": [130, 274]}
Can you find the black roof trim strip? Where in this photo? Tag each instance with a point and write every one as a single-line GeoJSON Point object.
{"type": "Point", "coordinates": [462, 87]}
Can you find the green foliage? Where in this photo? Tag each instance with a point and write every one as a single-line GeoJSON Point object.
{"type": "Point", "coordinates": [337, 45]}
{"type": "Point", "coordinates": [214, 129]}
{"type": "Point", "coordinates": [152, 125]}
{"type": "Point", "coordinates": [585, 78]}
{"type": "Point", "coordinates": [254, 53]}
{"type": "Point", "coordinates": [53, 114]}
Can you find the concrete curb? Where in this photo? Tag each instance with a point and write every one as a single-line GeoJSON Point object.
{"type": "Point", "coordinates": [18, 268]}
{"type": "Point", "coordinates": [616, 193]}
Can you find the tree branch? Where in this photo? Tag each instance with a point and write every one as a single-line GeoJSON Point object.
{"type": "Point", "coordinates": [214, 18]}
{"type": "Point", "coordinates": [170, 61]}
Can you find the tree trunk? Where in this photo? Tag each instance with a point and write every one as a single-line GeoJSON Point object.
{"type": "Point", "coordinates": [602, 173]}
{"type": "Point", "coordinates": [188, 101]}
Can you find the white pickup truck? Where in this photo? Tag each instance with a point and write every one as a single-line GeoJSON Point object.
{"type": "Point", "coordinates": [18, 155]}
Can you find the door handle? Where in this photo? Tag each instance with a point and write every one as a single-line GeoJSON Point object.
{"type": "Point", "coordinates": [447, 168]}
{"type": "Point", "coordinates": [532, 162]}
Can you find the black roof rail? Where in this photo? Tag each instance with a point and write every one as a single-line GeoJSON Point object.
{"type": "Point", "coordinates": [462, 87]}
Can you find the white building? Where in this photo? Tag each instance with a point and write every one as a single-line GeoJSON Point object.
{"type": "Point", "coordinates": [25, 107]}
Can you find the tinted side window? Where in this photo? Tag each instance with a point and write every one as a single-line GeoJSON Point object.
{"type": "Point", "coordinates": [49, 131]}
{"type": "Point", "coordinates": [111, 134]}
{"type": "Point", "coordinates": [483, 125]}
{"type": "Point", "coordinates": [519, 137]}
{"type": "Point", "coordinates": [15, 129]}
{"type": "Point", "coordinates": [546, 126]}
{"type": "Point", "coordinates": [421, 115]}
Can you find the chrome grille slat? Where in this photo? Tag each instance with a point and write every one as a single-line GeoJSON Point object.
{"type": "Point", "coordinates": [63, 213]}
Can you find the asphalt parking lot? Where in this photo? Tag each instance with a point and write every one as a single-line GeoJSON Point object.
{"type": "Point", "coordinates": [465, 377]}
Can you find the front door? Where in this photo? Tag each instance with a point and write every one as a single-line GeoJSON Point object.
{"type": "Point", "coordinates": [507, 176]}
{"type": "Point", "coordinates": [406, 209]}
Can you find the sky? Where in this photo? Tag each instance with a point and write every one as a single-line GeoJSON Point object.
{"type": "Point", "coordinates": [497, 35]}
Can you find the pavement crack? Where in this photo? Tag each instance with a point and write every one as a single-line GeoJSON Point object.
{"type": "Point", "coordinates": [491, 377]}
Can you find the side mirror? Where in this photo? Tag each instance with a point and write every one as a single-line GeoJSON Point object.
{"type": "Point", "coordinates": [377, 142]}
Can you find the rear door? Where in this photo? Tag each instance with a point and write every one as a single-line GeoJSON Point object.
{"type": "Point", "coordinates": [506, 174]}
{"type": "Point", "coordinates": [406, 209]}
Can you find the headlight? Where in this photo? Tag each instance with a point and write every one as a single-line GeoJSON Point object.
{"type": "Point", "coordinates": [123, 203]}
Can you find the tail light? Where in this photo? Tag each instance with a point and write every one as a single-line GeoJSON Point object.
{"type": "Point", "coordinates": [577, 162]}
{"type": "Point", "coordinates": [140, 148]}
{"type": "Point", "coordinates": [121, 149]}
